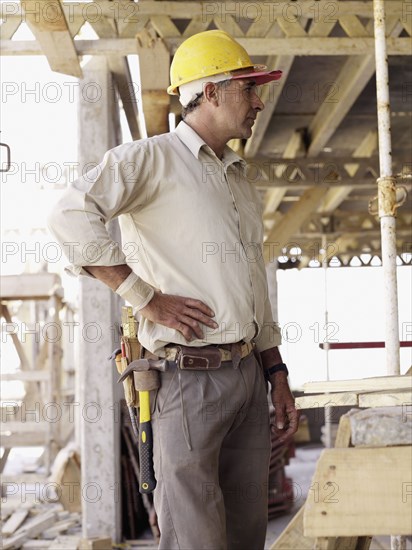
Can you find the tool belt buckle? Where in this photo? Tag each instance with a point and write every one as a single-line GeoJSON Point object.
{"type": "Point", "coordinates": [207, 358]}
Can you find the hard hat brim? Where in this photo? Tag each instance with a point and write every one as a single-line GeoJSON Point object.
{"type": "Point", "coordinates": [260, 77]}
{"type": "Point", "coordinates": [256, 73]}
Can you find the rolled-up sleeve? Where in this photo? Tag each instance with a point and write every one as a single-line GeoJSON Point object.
{"type": "Point", "coordinates": [79, 219]}
{"type": "Point", "coordinates": [269, 335]}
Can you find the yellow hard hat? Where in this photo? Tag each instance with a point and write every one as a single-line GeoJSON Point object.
{"type": "Point", "coordinates": [211, 53]}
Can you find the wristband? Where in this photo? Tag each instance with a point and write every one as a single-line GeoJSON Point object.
{"type": "Point", "coordinates": [135, 291]}
{"type": "Point", "coordinates": [281, 367]}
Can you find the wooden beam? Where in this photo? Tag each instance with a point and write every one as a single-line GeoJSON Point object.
{"type": "Point", "coordinates": [360, 492]}
{"type": "Point", "coordinates": [99, 131]}
{"type": "Point", "coordinates": [51, 31]}
{"type": "Point", "coordinates": [271, 93]}
{"type": "Point", "coordinates": [352, 79]}
{"type": "Point", "coordinates": [385, 399]}
{"type": "Point", "coordinates": [164, 26]}
{"type": "Point", "coordinates": [154, 63]}
{"type": "Point", "coordinates": [368, 399]}
{"type": "Point", "coordinates": [307, 46]}
{"type": "Point", "coordinates": [197, 24]}
{"type": "Point", "coordinates": [334, 197]}
{"type": "Point", "coordinates": [292, 536]}
{"type": "Point", "coordinates": [376, 383]}
{"type": "Point", "coordinates": [327, 399]}
{"type": "Point", "coordinates": [228, 23]}
{"type": "Point", "coordinates": [207, 10]}
{"type": "Point", "coordinates": [30, 286]}
{"type": "Point", "coordinates": [270, 96]}
{"type": "Point", "coordinates": [14, 521]}
{"type": "Point", "coordinates": [274, 197]}
{"type": "Point", "coordinates": [119, 67]}
{"type": "Point", "coordinates": [9, 27]}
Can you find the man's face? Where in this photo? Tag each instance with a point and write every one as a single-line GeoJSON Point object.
{"type": "Point", "coordinates": [239, 106]}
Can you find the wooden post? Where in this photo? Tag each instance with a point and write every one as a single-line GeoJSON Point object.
{"type": "Point", "coordinates": [99, 311]}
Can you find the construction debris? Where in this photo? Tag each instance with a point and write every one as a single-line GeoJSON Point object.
{"type": "Point", "coordinates": [40, 526]}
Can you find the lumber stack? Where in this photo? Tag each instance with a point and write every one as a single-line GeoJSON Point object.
{"type": "Point", "coordinates": [39, 526]}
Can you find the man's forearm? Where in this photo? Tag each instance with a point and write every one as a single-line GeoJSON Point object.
{"type": "Point", "coordinates": [270, 357]}
{"type": "Point", "coordinates": [124, 282]}
{"type": "Point", "coordinates": [112, 276]}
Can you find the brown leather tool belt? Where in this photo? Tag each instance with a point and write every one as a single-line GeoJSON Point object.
{"type": "Point", "coordinates": [207, 357]}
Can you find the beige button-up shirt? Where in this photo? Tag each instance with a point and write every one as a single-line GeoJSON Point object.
{"type": "Point", "coordinates": [191, 225]}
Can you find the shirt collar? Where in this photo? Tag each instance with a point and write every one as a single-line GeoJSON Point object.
{"type": "Point", "coordinates": [194, 143]}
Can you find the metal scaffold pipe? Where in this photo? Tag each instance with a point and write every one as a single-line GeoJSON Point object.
{"type": "Point", "coordinates": [386, 194]}
{"type": "Point", "coordinates": [387, 206]}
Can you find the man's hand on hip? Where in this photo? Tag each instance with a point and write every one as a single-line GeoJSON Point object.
{"type": "Point", "coordinates": [180, 313]}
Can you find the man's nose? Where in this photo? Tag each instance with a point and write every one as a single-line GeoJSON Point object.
{"type": "Point", "coordinates": [257, 103]}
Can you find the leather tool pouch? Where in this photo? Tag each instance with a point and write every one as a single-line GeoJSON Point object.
{"type": "Point", "coordinates": [190, 358]}
{"type": "Point", "coordinates": [146, 380]}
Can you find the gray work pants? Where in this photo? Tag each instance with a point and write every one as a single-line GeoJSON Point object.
{"type": "Point", "coordinates": [211, 457]}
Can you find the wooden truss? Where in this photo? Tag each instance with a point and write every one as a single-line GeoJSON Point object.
{"type": "Point", "coordinates": [325, 28]}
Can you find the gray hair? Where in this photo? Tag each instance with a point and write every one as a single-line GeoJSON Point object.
{"type": "Point", "coordinates": [190, 107]}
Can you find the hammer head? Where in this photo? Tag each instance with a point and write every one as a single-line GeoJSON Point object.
{"type": "Point", "coordinates": [140, 365]}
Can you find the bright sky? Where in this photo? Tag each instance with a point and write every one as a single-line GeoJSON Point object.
{"type": "Point", "coordinates": [38, 113]}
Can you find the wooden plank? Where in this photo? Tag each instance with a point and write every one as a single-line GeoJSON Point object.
{"type": "Point", "coordinates": [343, 436]}
{"type": "Point", "coordinates": [331, 399]}
{"type": "Point", "coordinates": [293, 149]}
{"type": "Point", "coordinates": [228, 24]}
{"type": "Point", "coordinates": [35, 525]}
{"type": "Point", "coordinates": [189, 9]}
{"type": "Point", "coordinates": [50, 29]}
{"type": "Point", "coordinates": [14, 522]}
{"type": "Point", "coordinates": [154, 63]}
{"type": "Point", "coordinates": [60, 527]}
{"type": "Point", "coordinates": [23, 440]}
{"type": "Point", "coordinates": [377, 383]}
{"type": "Point", "coordinates": [9, 27]}
{"type": "Point", "coordinates": [292, 536]}
{"type": "Point", "coordinates": [259, 27]}
{"type": "Point", "coordinates": [37, 544]}
{"type": "Point", "coordinates": [13, 542]}
{"type": "Point", "coordinates": [385, 399]}
{"type": "Point", "coordinates": [30, 286]}
{"type": "Point", "coordinates": [291, 27]}
{"type": "Point", "coordinates": [30, 529]}
{"type": "Point", "coordinates": [27, 376]}
{"type": "Point", "coordinates": [197, 24]}
{"type": "Point", "coordinates": [119, 67]}
{"type": "Point", "coordinates": [270, 97]}
{"type": "Point", "coordinates": [24, 362]}
{"type": "Point", "coordinates": [270, 94]}
{"type": "Point", "coordinates": [350, 82]}
{"type": "Point", "coordinates": [23, 427]}
{"type": "Point", "coordinates": [352, 26]}
{"type": "Point", "coordinates": [361, 492]}
{"type": "Point", "coordinates": [105, 27]}
{"type": "Point", "coordinates": [335, 196]}
{"type": "Point", "coordinates": [68, 542]}
{"type": "Point", "coordinates": [95, 544]}
{"type": "Point", "coordinates": [306, 45]}
{"type": "Point", "coordinates": [164, 26]}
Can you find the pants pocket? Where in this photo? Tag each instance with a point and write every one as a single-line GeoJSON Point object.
{"type": "Point", "coordinates": [165, 393]}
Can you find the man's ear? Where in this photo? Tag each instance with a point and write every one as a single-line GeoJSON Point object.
{"type": "Point", "coordinates": [210, 93]}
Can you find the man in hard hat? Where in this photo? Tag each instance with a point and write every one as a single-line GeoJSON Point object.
{"type": "Point", "coordinates": [200, 291]}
